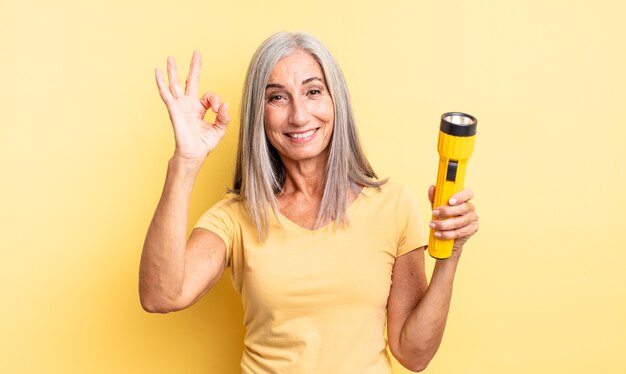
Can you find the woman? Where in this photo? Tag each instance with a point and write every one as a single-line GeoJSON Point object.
{"type": "Point", "coordinates": [314, 241]}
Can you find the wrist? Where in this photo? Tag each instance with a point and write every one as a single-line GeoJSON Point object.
{"type": "Point", "coordinates": [183, 166]}
{"type": "Point", "coordinates": [450, 263]}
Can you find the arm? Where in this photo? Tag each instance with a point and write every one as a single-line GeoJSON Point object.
{"type": "Point", "coordinates": [417, 311]}
{"type": "Point", "coordinates": [174, 273]}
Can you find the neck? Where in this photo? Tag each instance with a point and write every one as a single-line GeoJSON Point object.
{"type": "Point", "coordinates": [305, 177]}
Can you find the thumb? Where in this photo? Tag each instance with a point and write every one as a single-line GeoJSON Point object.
{"type": "Point", "coordinates": [431, 194]}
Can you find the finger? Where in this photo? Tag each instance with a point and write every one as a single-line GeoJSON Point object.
{"type": "Point", "coordinates": [223, 118]}
{"type": "Point", "coordinates": [431, 194]}
{"type": "Point", "coordinates": [172, 75]}
{"type": "Point", "coordinates": [454, 223]}
{"type": "Point", "coordinates": [205, 100]}
{"type": "Point", "coordinates": [463, 196]}
{"type": "Point", "coordinates": [453, 211]}
{"type": "Point", "coordinates": [215, 104]}
{"type": "Point", "coordinates": [211, 101]}
{"type": "Point", "coordinates": [461, 233]}
{"type": "Point", "coordinates": [193, 78]}
{"type": "Point", "coordinates": [165, 94]}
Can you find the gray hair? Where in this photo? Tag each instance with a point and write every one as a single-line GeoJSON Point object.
{"type": "Point", "coordinates": [259, 172]}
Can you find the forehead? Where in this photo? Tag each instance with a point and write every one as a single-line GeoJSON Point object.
{"type": "Point", "coordinates": [299, 65]}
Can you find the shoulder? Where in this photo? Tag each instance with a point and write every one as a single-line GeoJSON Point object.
{"type": "Point", "coordinates": [228, 202]}
{"type": "Point", "coordinates": [389, 192]}
{"type": "Point", "coordinates": [231, 204]}
{"type": "Point", "coordinates": [390, 199]}
{"type": "Point", "coordinates": [229, 209]}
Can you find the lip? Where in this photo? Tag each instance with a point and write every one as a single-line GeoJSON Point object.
{"type": "Point", "coordinates": [313, 131]}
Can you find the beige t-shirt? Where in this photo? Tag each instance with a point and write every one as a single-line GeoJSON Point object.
{"type": "Point", "coordinates": [315, 301]}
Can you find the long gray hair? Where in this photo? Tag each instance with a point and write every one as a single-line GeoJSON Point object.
{"type": "Point", "coordinates": [259, 172]}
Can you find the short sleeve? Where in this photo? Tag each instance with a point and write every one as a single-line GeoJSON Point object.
{"type": "Point", "coordinates": [219, 220]}
{"type": "Point", "coordinates": [412, 232]}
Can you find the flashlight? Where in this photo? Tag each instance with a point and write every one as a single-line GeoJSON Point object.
{"type": "Point", "coordinates": [456, 143]}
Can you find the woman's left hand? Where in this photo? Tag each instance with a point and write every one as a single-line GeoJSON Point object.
{"type": "Point", "coordinates": [457, 220]}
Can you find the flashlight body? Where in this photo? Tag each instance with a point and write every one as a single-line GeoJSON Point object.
{"type": "Point", "coordinates": [454, 152]}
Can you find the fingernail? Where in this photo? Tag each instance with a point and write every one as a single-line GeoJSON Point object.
{"type": "Point", "coordinates": [452, 201]}
{"type": "Point", "coordinates": [432, 225]}
{"type": "Point", "coordinates": [437, 234]}
{"type": "Point", "coordinates": [435, 212]}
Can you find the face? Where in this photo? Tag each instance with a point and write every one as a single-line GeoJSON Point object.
{"type": "Point", "coordinates": [299, 112]}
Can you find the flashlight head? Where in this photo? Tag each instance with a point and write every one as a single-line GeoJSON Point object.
{"type": "Point", "coordinates": [458, 124]}
{"type": "Point", "coordinates": [456, 135]}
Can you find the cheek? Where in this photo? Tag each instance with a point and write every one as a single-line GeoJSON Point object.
{"type": "Point", "coordinates": [323, 110]}
{"type": "Point", "coordinates": [271, 119]}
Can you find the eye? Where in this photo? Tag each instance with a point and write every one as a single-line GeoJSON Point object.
{"type": "Point", "coordinates": [275, 97]}
{"type": "Point", "coordinates": [314, 91]}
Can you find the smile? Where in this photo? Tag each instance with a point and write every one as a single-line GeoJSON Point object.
{"type": "Point", "coordinates": [301, 135]}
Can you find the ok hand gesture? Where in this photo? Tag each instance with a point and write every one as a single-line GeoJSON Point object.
{"type": "Point", "coordinates": [195, 137]}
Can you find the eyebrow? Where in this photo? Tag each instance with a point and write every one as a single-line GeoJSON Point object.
{"type": "Point", "coordinates": [308, 80]}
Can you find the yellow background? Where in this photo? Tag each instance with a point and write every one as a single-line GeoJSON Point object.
{"type": "Point", "coordinates": [84, 141]}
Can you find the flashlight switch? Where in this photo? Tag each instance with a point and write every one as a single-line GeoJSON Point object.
{"type": "Point", "coordinates": [452, 166]}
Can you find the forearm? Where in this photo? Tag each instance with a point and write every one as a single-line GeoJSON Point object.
{"type": "Point", "coordinates": [162, 268]}
{"type": "Point", "coordinates": [423, 330]}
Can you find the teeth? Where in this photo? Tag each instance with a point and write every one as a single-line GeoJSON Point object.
{"type": "Point", "coordinates": [301, 135]}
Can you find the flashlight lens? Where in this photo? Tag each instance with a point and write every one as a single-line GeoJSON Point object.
{"type": "Point", "coordinates": [458, 119]}
{"type": "Point", "coordinates": [458, 124]}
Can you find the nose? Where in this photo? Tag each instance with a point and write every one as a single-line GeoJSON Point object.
{"type": "Point", "coordinates": [299, 114]}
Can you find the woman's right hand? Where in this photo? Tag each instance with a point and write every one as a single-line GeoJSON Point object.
{"type": "Point", "coordinates": [195, 137]}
